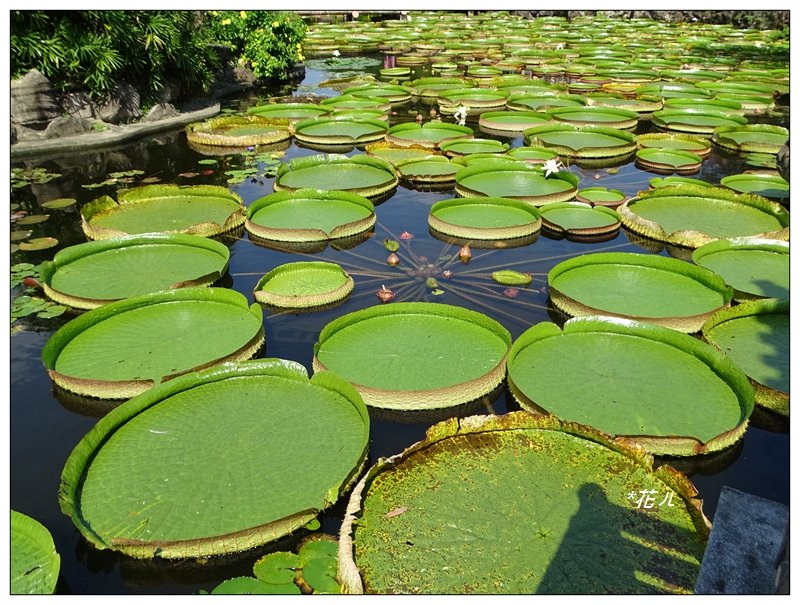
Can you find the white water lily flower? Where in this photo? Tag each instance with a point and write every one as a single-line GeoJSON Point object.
{"type": "Point", "coordinates": [559, 46]}
{"type": "Point", "coordinates": [552, 166]}
{"type": "Point", "coordinates": [336, 53]}
{"type": "Point", "coordinates": [461, 114]}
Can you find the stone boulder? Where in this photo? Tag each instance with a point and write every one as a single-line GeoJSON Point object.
{"type": "Point", "coordinates": [122, 105]}
{"type": "Point", "coordinates": [783, 160]}
{"type": "Point", "coordinates": [33, 103]}
{"type": "Point", "coordinates": [78, 104]}
{"type": "Point", "coordinates": [65, 126]}
{"type": "Point", "coordinates": [161, 111]}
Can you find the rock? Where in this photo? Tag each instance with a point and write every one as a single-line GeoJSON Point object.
{"type": "Point", "coordinates": [65, 126]}
{"type": "Point", "coordinates": [170, 91]}
{"type": "Point", "coordinates": [161, 111]}
{"type": "Point", "coordinates": [20, 133]}
{"type": "Point", "coordinates": [33, 103]}
{"type": "Point", "coordinates": [78, 104]}
{"type": "Point", "coordinates": [783, 160]}
{"type": "Point", "coordinates": [121, 106]}
{"type": "Point", "coordinates": [242, 74]}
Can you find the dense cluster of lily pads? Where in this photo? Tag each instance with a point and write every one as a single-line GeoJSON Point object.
{"type": "Point", "coordinates": [279, 447]}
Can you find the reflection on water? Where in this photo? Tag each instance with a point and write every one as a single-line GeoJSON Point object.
{"type": "Point", "coordinates": [45, 425]}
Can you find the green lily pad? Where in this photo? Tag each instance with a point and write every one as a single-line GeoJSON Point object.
{"type": "Point", "coordinates": [772, 186]}
{"type": "Point", "coordinates": [363, 175]}
{"type": "Point", "coordinates": [38, 243]}
{"type": "Point", "coordinates": [520, 504]}
{"type": "Point", "coordinates": [395, 154]}
{"type": "Point", "coordinates": [277, 568]}
{"type": "Point", "coordinates": [543, 102]}
{"type": "Point", "coordinates": [309, 215]}
{"type": "Point", "coordinates": [761, 138]}
{"type": "Point", "coordinates": [755, 336]}
{"type": "Point", "coordinates": [718, 105]}
{"type": "Point", "coordinates": [304, 285]}
{"type": "Point", "coordinates": [601, 196]}
{"type": "Point", "coordinates": [203, 210]}
{"type": "Point", "coordinates": [63, 202]}
{"type": "Point", "coordinates": [415, 356]}
{"type": "Point", "coordinates": [395, 93]}
{"type": "Point", "coordinates": [354, 102]}
{"type": "Point", "coordinates": [248, 585]}
{"type": "Point", "coordinates": [672, 393]}
{"type": "Point", "coordinates": [516, 180]}
{"type": "Point", "coordinates": [430, 134]}
{"type": "Point", "coordinates": [89, 275]}
{"type": "Point", "coordinates": [431, 169]}
{"type": "Point", "coordinates": [665, 291]}
{"type": "Point", "coordinates": [579, 219]}
{"type": "Point", "coordinates": [34, 561]}
{"type": "Point", "coordinates": [123, 348]}
{"type": "Point", "coordinates": [694, 215]}
{"type": "Point", "coordinates": [237, 131]}
{"type": "Point", "coordinates": [508, 277]}
{"type": "Point", "coordinates": [289, 111]}
{"type": "Point", "coordinates": [17, 236]}
{"type": "Point", "coordinates": [683, 142]}
{"type": "Point", "coordinates": [339, 131]}
{"type": "Point", "coordinates": [668, 160]}
{"type": "Point", "coordinates": [314, 549]}
{"type": "Point", "coordinates": [693, 121]}
{"type": "Point", "coordinates": [596, 116]}
{"type": "Point", "coordinates": [484, 218]}
{"type": "Point", "coordinates": [534, 155]}
{"type": "Point", "coordinates": [320, 574]}
{"type": "Point", "coordinates": [755, 268]}
{"type": "Point", "coordinates": [677, 181]}
{"type": "Point", "coordinates": [582, 141]}
{"type": "Point", "coordinates": [460, 147]}
{"type": "Point", "coordinates": [122, 488]}
{"type": "Point", "coordinates": [33, 219]}
{"type": "Point", "coordinates": [473, 98]}
{"type": "Point", "coordinates": [511, 121]}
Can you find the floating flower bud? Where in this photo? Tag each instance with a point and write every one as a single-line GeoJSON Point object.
{"type": "Point", "coordinates": [31, 282]}
{"type": "Point", "coordinates": [596, 177]}
{"type": "Point", "coordinates": [447, 274]}
{"type": "Point", "coordinates": [432, 113]}
{"type": "Point", "coordinates": [465, 253]}
{"type": "Point", "coordinates": [393, 259]}
{"type": "Point", "coordinates": [510, 292]}
{"type": "Point", "coordinates": [385, 294]}
{"type": "Point", "coordinates": [431, 283]}
{"type": "Point", "coordinates": [406, 235]}
{"type": "Point", "coordinates": [419, 117]}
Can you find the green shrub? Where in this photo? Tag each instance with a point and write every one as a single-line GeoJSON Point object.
{"type": "Point", "coordinates": [97, 49]}
{"type": "Point", "coordinates": [268, 42]}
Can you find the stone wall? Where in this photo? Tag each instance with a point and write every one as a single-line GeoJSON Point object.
{"type": "Point", "coordinates": [766, 19]}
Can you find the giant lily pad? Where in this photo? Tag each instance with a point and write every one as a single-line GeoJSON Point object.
{"type": "Point", "coordinates": [303, 285]}
{"type": "Point", "coordinates": [34, 560]}
{"type": "Point", "coordinates": [353, 102]}
{"type": "Point", "coordinates": [683, 142]}
{"type": "Point", "coordinates": [474, 99]}
{"type": "Point", "coordinates": [339, 131]}
{"type": "Point", "coordinates": [394, 153]}
{"type": "Point", "coordinates": [428, 170]}
{"type": "Point", "coordinates": [484, 218]}
{"type": "Point", "coordinates": [460, 147]}
{"type": "Point", "coordinates": [753, 267]}
{"type": "Point", "coordinates": [237, 131]}
{"type": "Point", "coordinates": [289, 111]}
{"type": "Point", "coordinates": [395, 93]}
{"type": "Point", "coordinates": [511, 121]}
{"type": "Point", "coordinates": [579, 219]}
{"type": "Point", "coordinates": [755, 336]}
{"type": "Point", "coordinates": [138, 482]}
{"type": "Point", "coordinates": [517, 180]}
{"type": "Point", "coordinates": [694, 121]}
{"type": "Point", "coordinates": [670, 392]}
{"type": "Point", "coordinates": [430, 134]}
{"type": "Point", "coordinates": [760, 138]}
{"type": "Point", "coordinates": [665, 291]}
{"type": "Point", "coordinates": [361, 174]}
{"type": "Point", "coordinates": [727, 107]}
{"type": "Point", "coordinates": [691, 215]}
{"type": "Point", "coordinates": [601, 196]}
{"type": "Point", "coordinates": [123, 348]}
{"type": "Point", "coordinates": [89, 275]}
{"type": "Point", "coordinates": [582, 141]}
{"type": "Point", "coordinates": [596, 116]}
{"type": "Point", "coordinates": [533, 155]}
{"type": "Point", "coordinates": [668, 160]}
{"type": "Point", "coordinates": [203, 210]}
{"type": "Point", "coordinates": [520, 504]}
{"type": "Point", "coordinates": [309, 215]}
{"type": "Point", "coordinates": [542, 102]}
{"type": "Point", "coordinates": [415, 356]}
{"type": "Point", "coordinates": [772, 186]}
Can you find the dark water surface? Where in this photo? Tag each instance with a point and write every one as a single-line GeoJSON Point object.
{"type": "Point", "coordinates": [45, 428]}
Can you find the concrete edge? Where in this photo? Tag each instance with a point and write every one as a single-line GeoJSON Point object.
{"type": "Point", "coordinates": [121, 134]}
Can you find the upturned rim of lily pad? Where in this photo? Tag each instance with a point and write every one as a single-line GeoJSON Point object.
{"type": "Point", "coordinates": [451, 430]}
{"type": "Point", "coordinates": [647, 263]}
{"type": "Point", "coordinates": [331, 159]}
{"type": "Point", "coordinates": [485, 233]}
{"type": "Point", "coordinates": [694, 121]}
{"type": "Point", "coordinates": [37, 572]}
{"type": "Point", "coordinates": [397, 94]}
{"type": "Point", "coordinates": [624, 118]}
{"type": "Point", "coordinates": [461, 147]}
{"type": "Point", "coordinates": [394, 134]}
{"type": "Point", "coordinates": [126, 198]}
{"type": "Point", "coordinates": [277, 108]}
{"type": "Point", "coordinates": [603, 214]}
{"type": "Point", "coordinates": [312, 197]}
{"type": "Point", "coordinates": [719, 367]}
{"type": "Point", "coordinates": [601, 196]}
{"type": "Point", "coordinates": [428, 399]}
{"type": "Point", "coordinates": [79, 252]}
{"type": "Point", "coordinates": [670, 160]}
{"type": "Point", "coordinates": [490, 167]}
{"type": "Point", "coordinates": [421, 170]}
{"type": "Point", "coordinates": [352, 101]}
{"type": "Point", "coordinates": [214, 131]}
{"type": "Point", "coordinates": [693, 238]}
{"type": "Point", "coordinates": [722, 136]}
{"type": "Point", "coordinates": [340, 136]}
{"type": "Point", "coordinates": [627, 141]}
{"type": "Point", "coordinates": [76, 469]}
{"type": "Point", "coordinates": [512, 121]}
{"type": "Point", "coordinates": [320, 296]}
{"type": "Point", "coordinates": [765, 396]}
{"type": "Point", "coordinates": [777, 181]}
{"type": "Point", "coordinates": [686, 142]}
{"type": "Point", "coordinates": [124, 389]}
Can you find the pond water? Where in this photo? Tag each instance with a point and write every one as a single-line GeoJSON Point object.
{"type": "Point", "coordinates": [44, 427]}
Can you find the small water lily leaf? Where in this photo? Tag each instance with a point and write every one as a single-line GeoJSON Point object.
{"type": "Point", "coordinates": [613, 170]}
{"type": "Point", "coordinates": [320, 575]}
{"type": "Point", "coordinates": [22, 266]}
{"type": "Point", "coordinates": [17, 236]}
{"type": "Point", "coordinates": [391, 245]}
{"type": "Point", "coordinates": [314, 549]}
{"type": "Point", "coordinates": [33, 219]}
{"type": "Point", "coordinates": [431, 283]}
{"type": "Point", "coordinates": [437, 292]}
{"type": "Point", "coordinates": [62, 202]}
{"type": "Point", "coordinates": [511, 278]}
{"type": "Point", "coordinates": [150, 179]}
{"type": "Point", "coordinates": [313, 525]}
{"type": "Point", "coordinates": [248, 585]}
{"type": "Point", "coordinates": [34, 560]}
{"type": "Point", "coordinates": [14, 248]}
{"type": "Point", "coordinates": [39, 243]}
{"type": "Point", "coordinates": [189, 175]}
{"type": "Point", "coordinates": [50, 312]}
{"type": "Point", "coordinates": [92, 185]}
{"type": "Point", "coordinates": [277, 567]}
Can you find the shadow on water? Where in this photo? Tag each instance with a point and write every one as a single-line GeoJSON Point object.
{"type": "Point", "coordinates": [609, 549]}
